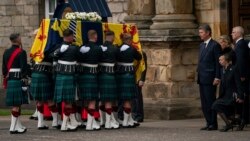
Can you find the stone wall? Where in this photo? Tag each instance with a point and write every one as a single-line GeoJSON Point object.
{"type": "Point", "coordinates": [171, 91]}
{"type": "Point", "coordinates": [215, 13]}
{"type": "Point", "coordinates": [18, 16]}
{"type": "Point", "coordinates": [118, 9]}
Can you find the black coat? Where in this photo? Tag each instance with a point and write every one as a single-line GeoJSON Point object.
{"type": "Point", "coordinates": [230, 84]}
{"type": "Point", "coordinates": [208, 64]}
{"type": "Point", "coordinates": [242, 57]}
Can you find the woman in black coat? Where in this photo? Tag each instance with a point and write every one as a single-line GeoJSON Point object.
{"type": "Point", "coordinates": [230, 90]}
{"type": "Point", "coordinates": [227, 46]}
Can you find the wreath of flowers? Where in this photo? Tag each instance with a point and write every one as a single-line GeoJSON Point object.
{"type": "Point", "coordinates": [91, 16]}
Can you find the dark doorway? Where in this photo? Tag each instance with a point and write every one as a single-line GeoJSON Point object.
{"type": "Point", "coordinates": [239, 14]}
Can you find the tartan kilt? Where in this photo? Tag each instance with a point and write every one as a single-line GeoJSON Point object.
{"type": "Point", "coordinates": [126, 86]}
{"type": "Point", "coordinates": [65, 88]}
{"type": "Point", "coordinates": [41, 87]}
{"type": "Point", "coordinates": [15, 95]}
{"type": "Point", "coordinates": [107, 87]}
{"type": "Point", "coordinates": [88, 87]}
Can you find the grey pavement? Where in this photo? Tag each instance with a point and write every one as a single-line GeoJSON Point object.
{"type": "Point", "coordinates": [150, 130]}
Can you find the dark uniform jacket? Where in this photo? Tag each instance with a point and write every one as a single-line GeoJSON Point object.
{"type": "Point", "coordinates": [19, 62]}
{"type": "Point", "coordinates": [127, 56]}
{"type": "Point", "coordinates": [109, 55]}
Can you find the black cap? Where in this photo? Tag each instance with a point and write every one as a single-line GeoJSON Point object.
{"type": "Point", "coordinates": [14, 36]}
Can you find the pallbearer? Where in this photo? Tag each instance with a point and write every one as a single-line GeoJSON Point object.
{"type": "Point", "coordinates": [65, 85]}
{"type": "Point", "coordinates": [87, 79]}
{"type": "Point", "coordinates": [107, 80]}
{"type": "Point", "coordinates": [42, 88]}
{"type": "Point", "coordinates": [126, 77]}
{"type": "Point", "coordinates": [14, 72]}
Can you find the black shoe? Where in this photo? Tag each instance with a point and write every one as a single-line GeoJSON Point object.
{"type": "Point", "coordinates": [241, 126]}
{"type": "Point", "coordinates": [212, 128]}
{"type": "Point", "coordinates": [43, 128]}
{"type": "Point", "coordinates": [16, 132]}
{"type": "Point", "coordinates": [33, 118]}
{"type": "Point", "coordinates": [227, 127]}
{"type": "Point", "coordinates": [204, 128]}
{"type": "Point", "coordinates": [57, 127]}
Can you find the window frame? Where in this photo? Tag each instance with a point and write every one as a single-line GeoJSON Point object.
{"type": "Point", "coordinates": [49, 14]}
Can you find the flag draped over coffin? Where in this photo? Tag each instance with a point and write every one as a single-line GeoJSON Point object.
{"type": "Point", "coordinates": [50, 34]}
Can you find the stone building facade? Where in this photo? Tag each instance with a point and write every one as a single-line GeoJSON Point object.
{"type": "Point", "coordinates": [168, 33]}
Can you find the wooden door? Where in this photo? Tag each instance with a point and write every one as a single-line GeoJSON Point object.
{"type": "Point", "coordinates": [240, 14]}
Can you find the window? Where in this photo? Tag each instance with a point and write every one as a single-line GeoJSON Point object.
{"type": "Point", "coordinates": [50, 6]}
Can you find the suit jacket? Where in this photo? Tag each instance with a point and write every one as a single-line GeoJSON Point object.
{"type": "Point", "coordinates": [242, 57]}
{"type": "Point", "coordinates": [230, 83]}
{"type": "Point", "coordinates": [208, 64]}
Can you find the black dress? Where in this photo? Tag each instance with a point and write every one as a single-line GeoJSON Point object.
{"type": "Point", "coordinates": [230, 84]}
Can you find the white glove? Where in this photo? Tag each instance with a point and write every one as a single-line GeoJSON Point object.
{"type": "Point", "coordinates": [124, 47]}
{"type": "Point", "coordinates": [24, 88]}
{"type": "Point", "coordinates": [64, 48]}
{"type": "Point", "coordinates": [249, 45]}
{"type": "Point", "coordinates": [84, 49]}
{"type": "Point", "coordinates": [104, 48]}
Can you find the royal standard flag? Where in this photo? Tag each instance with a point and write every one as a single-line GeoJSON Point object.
{"type": "Point", "coordinates": [40, 41]}
{"type": "Point", "coordinates": [119, 29]}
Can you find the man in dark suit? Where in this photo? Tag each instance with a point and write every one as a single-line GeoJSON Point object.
{"type": "Point", "coordinates": [137, 110]}
{"type": "Point", "coordinates": [242, 64]}
{"type": "Point", "coordinates": [208, 75]}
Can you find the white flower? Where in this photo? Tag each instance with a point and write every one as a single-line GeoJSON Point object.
{"type": "Point", "coordinates": [91, 16]}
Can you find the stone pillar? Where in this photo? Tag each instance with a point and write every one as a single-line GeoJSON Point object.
{"type": "Point", "coordinates": [173, 14]}
{"type": "Point", "coordinates": [171, 45]}
{"type": "Point", "coordinates": [141, 12]}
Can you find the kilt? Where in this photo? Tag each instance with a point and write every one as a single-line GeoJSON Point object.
{"type": "Point", "coordinates": [15, 95]}
{"type": "Point", "coordinates": [41, 87]}
{"type": "Point", "coordinates": [107, 87]}
{"type": "Point", "coordinates": [65, 88]}
{"type": "Point", "coordinates": [126, 86]}
{"type": "Point", "coordinates": [88, 87]}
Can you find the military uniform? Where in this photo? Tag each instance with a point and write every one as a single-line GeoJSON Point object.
{"type": "Point", "coordinates": [41, 83]}
{"type": "Point", "coordinates": [42, 89]}
{"type": "Point", "coordinates": [65, 83]}
{"type": "Point", "coordinates": [87, 72]}
{"type": "Point", "coordinates": [89, 56]}
{"type": "Point", "coordinates": [126, 80]}
{"type": "Point", "coordinates": [107, 83]}
{"type": "Point", "coordinates": [106, 78]}
{"type": "Point", "coordinates": [126, 73]}
{"type": "Point", "coordinates": [15, 95]}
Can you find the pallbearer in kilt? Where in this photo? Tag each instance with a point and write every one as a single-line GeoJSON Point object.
{"type": "Point", "coordinates": [14, 72]}
{"type": "Point", "coordinates": [42, 89]}
{"type": "Point", "coordinates": [126, 77]}
{"type": "Point", "coordinates": [107, 80]}
{"type": "Point", "coordinates": [89, 56]}
{"type": "Point", "coordinates": [65, 84]}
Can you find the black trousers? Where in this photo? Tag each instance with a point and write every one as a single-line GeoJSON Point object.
{"type": "Point", "coordinates": [137, 109]}
{"type": "Point", "coordinates": [208, 97]}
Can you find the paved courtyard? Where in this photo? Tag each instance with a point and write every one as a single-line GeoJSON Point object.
{"type": "Point", "coordinates": [179, 130]}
